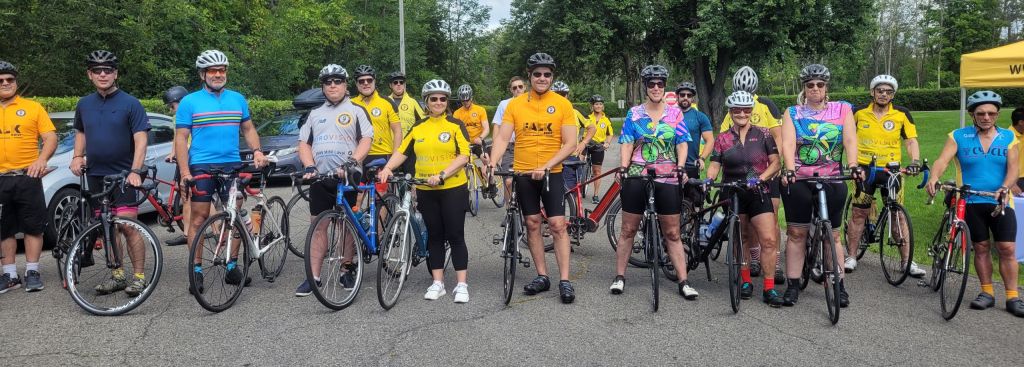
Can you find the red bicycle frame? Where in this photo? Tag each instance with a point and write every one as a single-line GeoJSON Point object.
{"type": "Point", "coordinates": [164, 212]}
{"type": "Point", "coordinates": [594, 217]}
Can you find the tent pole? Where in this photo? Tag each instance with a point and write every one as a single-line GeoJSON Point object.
{"type": "Point", "coordinates": [963, 106]}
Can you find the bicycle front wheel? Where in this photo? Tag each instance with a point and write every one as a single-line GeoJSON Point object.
{"type": "Point", "coordinates": [613, 225]}
{"type": "Point", "coordinates": [651, 240]}
{"type": "Point", "coordinates": [955, 271]}
{"type": "Point", "coordinates": [474, 190]}
{"type": "Point", "coordinates": [828, 261]}
{"type": "Point", "coordinates": [393, 262]}
{"type": "Point", "coordinates": [510, 255]}
{"type": "Point", "coordinates": [499, 192]}
{"type": "Point", "coordinates": [137, 260]}
{"type": "Point", "coordinates": [298, 222]}
{"type": "Point", "coordinates": [274, 235]}
{"type": "Point", "coordinates": [734, 262]}
{"type": "Point", "coordinates": [218, 244]}
{"type": "Point", "coordinates": [893, 242]}
{"type": "Point", "coordinates": [334, 261]}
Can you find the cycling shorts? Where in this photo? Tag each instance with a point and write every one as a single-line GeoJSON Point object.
{"type": "Point", "coordinates": [634, 197]}
{"type": "Point", "coordinates": [752, 204]}
{"type": "Point", "coordinates": [981, 222]}
{"type": "Point", "coordinates": [596, 154]}
{"type": "Point", "coordinates": [24, 206]}
{"type": "Point", "coordinates": [323, 195]}
{"type": "Point", "coordinates": [123, 197]}
{"type": "Point", "coordinates": [531, 195]}
{"type": "Point", "coordinates": [212, 185]}
{"type": "Point", "coordinates": [799, 201]}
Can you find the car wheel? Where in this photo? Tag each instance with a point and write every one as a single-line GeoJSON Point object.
{"type": "Point", "coordinates": [62, 207]}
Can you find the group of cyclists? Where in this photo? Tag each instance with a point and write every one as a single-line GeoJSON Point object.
{"type": "Point", "coordinates": [533, 133]}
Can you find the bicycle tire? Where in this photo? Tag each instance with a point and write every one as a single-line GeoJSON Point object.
{"type": "Point", "coordinates": [889, 247]}
{"type": "Point", "coordinates": [474, 190]}
{"type": "Point", "coordinates": [510, 255]}
{"type": "Point", "coordinates": [938, 250]}
{"type": "Point", "coordinates": [298, 215]}
{"type": "Point", "coordinates": [327, 290]}
{"type": "Point", "coordinates": [831, 270]}
{"type": "Point", "coordinates": [79, 280]}
{"type": "Point", "coordinates": [716, 249]}
{"type": "Point", "coordinates": [650, 231]}
{"type": "Point", "coordinates": [735, 263]}
{"type": "Point", "coordinates": [612, 229]}
{"type": "Point", "coordinates": [499, 192]}
{"type": "Point", "coordinates": [393, 261]}
{"type": "Point", "coordinates": [274, 232]}
{"type": "Point", "coordinates": [67, 230]}
{"type": "Point", "coordinates": [810, 254]}
{"type": "Point", "coordinates": [177, 208]}
{"type": "Point", "coordinates": [956, 271]}
{"type": "Point", "coordinates": [215, 268]}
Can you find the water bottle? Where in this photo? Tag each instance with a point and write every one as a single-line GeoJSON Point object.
{"type": "Point", "coordinates": [364, 220]}
{"type": "Point", "coordinates": [704, 234]}
{"type": "Point", "coordinates": [869, 226]}
{"type": "Point", "coordinates": [715, 221]}
{"type": "Point", "coordinates": [246, 219]}
{"type": "Point", "coordinates": [419, 229]}
{"type": "Point", "coordinates": [257, 219]}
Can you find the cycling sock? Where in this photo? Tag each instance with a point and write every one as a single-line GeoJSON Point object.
{"type": "Point", "coordinates": [12, 270]}
{"type": "Point", "coordinates": [755, 254]}
{"type": "Point", "coordinates": [745, 275]}
{"type": "Point", "coordinates": [31, 267]}
{"type": "Point", "coordinates": [1012, 294]}
{"type": "Point", "coordinates": [987, 289]}
{"type": "Point", "coordinates": [140, 276]}
{"type": "Point", "coordinates": [769, 284]}
{"type": "Point", "coordinates": [198, 268]}
{"type": "Point", "coordinates": [117, 273]}
{"type": "Point", "coordinates": [232, 264]}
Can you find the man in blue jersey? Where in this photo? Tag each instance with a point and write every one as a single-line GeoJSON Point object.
{"type": "Point", "coordinates": [213, 117]}
{"type": "Point", "coordinates": [987, 156]}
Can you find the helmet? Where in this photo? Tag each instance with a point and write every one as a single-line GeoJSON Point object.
{"type": "Point", "coordinates": [101, 58]}
{"type": "Point", "coordinates": [560, 87]}
{"type": "Point", "coordinates": [745, 80]}
{"type": "Point", "coordinates": [8, 68]}
{"type": "Point", "coordinates": [364, 70]}
{"type": "Point", "coordinates": [654, 72]}
{"type": "Point", "coordinates": [884, 79]}
{"type": "Point", "coordinates": [436, 86]}
{"type": "Point", "coordinates": [983, 97]}
{"type": "Point", "coordinates": [815, 71]}
{"type": "Point", "coordinates": [740, 99]}
{"type": "Point", "coordinates": [686, 86]}
{"type": "Point", "coordinates": [540, 59]}
{"type": "Point", "coordinates": [398, 75]}
{"type": "Point", "coordinates": [465, 92]}
{"type": "Point", "coordinates": [596, 98]}
{"type": "Point", "coordinates": [175, 94]}
{"type": "Point", "coordinates": [333, 70]}
{"type": "Point", "coordinates": [211, 58]}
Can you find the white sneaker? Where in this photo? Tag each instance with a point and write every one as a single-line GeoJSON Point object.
{"type": "Point", "coordinates": [851, 264]}
{"type": "Point", "coordinates": [687, 291]}
{"type": "Point", "coordinates": [618, 285]}
{"type": "Point", "coordinates": [916, 271]}
{"type": "Point", "coordinates": [435, 291]}
{"type": "Point", "coordinates": [461, 293]}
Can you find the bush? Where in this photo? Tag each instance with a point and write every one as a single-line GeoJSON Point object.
{"type": "Point", "coordinates": [915, 99]}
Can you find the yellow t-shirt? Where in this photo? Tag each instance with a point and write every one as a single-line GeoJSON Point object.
{"type": "Point", "coordinates": [538, 121]}
{"type": "Point", "coordinates": [383, 112]}
{"type": "Point", "coordinates": [474, 118]}
{"type": "Point", "coordinates": [436, 141]}
{"type": "Point", "coordinates": [882, 138]}
{"type": "Point", "coordinates": [604, 127]}
{"type": "Point", "coordinates": [762, 117]}
{"type": "Point", "coordinates": [22, 123]}
{"type": "Point", "coordinates": [409, 111]}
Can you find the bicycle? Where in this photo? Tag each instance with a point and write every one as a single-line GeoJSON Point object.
{"type": "Point", "coordinates": [950, 248]}
{"type": "Point", "coordinates": [512, 238]}
{"type": "Point", "coordinates": [110, 233]}
{"type": "Point", "coordinates": [703, 243]}
{"type": "Point", "coordinates": [578, 225]}
{"type": "Point", "coordinates": [265, 241]}
{"type": "Point", "coordinates": [474, 184]}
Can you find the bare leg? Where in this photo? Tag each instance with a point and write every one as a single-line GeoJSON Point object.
{"type": "Point", "coordinates": [630, 224]}
{"type": "Point", "coordinates": [560, 236]}
{"type": "Point", "coordinates": [796, 237]}
{"type": "Point", "coordinates": [536, 243]}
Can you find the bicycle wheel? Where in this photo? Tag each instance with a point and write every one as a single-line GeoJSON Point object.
{"type": "Point", "coordinates": [274, 234]}
{"type": "Point", "coordinates": [892, 242]}
{"type": "Point", "coordinates": [177, 208]}
{"type": "Point", "coordinates": [649, 228]}
{"type": "Point", "coordinates": [394, 259]}
{"type": "Point", "coordinates": [213, 290]}
{"type": "Point", "coordinates": [734, 262]}
{"type": "Point", "coordinates": [499, 192]}
{"type": "Point", "coordinates": [863, 242]}
{"type": "Point", "coordinates": [474, 189]}
{"type": "Point", "coordinates": [510, 255]}
{"type": "Point", "coordinates": [708, 218]}
{"type": "Point", "coordinates": [337, 231]}
{"type": "Point", "coordinates": [828, 261]}
{"type": "Point", "coordinates": [938, 252]}
{"type": "Point", "coordinates": [69, 224]}
{"type": "Point", "coordinates": [810, 256]}
{"type": "Point", "coordinates": [92, 287]}
{"type": "Point", "coordinates": [298, 222]}
{"type": "Point", "coordinates": [956, 270]}
{"type": "Point", "coordinates": [614, 227]}
{"type": "Point", "coordinates": [585, 174]}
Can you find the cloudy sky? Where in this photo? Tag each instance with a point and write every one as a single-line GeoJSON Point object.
{"type": "Point", "coordinates": [499, 10]}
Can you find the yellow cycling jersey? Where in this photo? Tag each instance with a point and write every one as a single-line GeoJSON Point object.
{"type": "Point", "coordinates": [22, 124]}
{"type": "Point", "coordinates": [474, 118]}
{"type": "Point", "coordinates": [583, 123]}
{"type": "Point", "coordinates": [409, 111]}
{"type": "Point", "coordinates": [1020, 155]}
{"type": "Point", "coordinates": [383, 112]}
{"type": "Point", "coordinates": [538, 120]}
{"type": "Point", "coordinates": [436, 141]}
{"type": "Point", "coordinates": [604, 127]}
{"type": "Point", "coordinates": [882, 137]}
{"type": "Point", "coordinates": [762, 116]}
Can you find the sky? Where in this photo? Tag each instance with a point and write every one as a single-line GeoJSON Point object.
{"type": "Point", "coordinates": [499, 10]}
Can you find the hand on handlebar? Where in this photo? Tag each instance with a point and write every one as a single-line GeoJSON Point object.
{"type": "Point", "coordinates": [858, 173]}
{"type": "Point", "coordinates": [384, 174]}
{"type": "Point", "coordinates": [309, 172]}
{"type": "Point", "coordinates": [753, 182]}
{"type": "Point", "coordinates": [914, 168]}
{"type": "Point", "coordinates": [537, 174]}
{"type": "Point", "coordinates": [788, 177]}
{"type": "Point", "coordinates": [932, 186]}
{"type": "Point", "coordinates": [134, 179]}
{"type": "Point", "coordinates": [259, 160]}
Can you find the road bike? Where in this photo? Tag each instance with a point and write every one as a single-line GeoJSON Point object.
{"type": "Point", "coordinates": [580, 220]}
{"type": "Point", "coordinates": [512, 239]}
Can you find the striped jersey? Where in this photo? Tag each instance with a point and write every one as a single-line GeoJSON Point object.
{"type": "Point", "coordinates": [215, 122]}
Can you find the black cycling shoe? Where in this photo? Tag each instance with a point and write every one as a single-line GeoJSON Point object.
{"type": "Point", "coordinates": [792, 292]}
{"type": "Point", "coordinates": [844, 297]}
{"type": "Point", "coordinates": [539, 284]}
{"type": "Point", "coordinates": [983, 301]}
{"type": "Point", "coordinates": [755, 269]}
{"type": "Point", "coordinates": [234, 277]}
{"type": "Point", "coordinates": [780, 279]}
{"type": "Point", "coordinates": [746, 290]}
{"type": "Point", "coordinates": [177, 241]}
{"type": "Point", "coordinates": [199, 279]}
{"type": "Point", "coordinates": [772, 298]}
{"type": "Point", "coordinates": [1015, 307]}
{"type": "Point", "coordinates": [566, 292]}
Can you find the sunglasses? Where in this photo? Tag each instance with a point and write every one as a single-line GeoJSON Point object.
{"type": "Point", "coordinates": [365, 81]}
{"type": "Point", "coordinates": [656, 84]}
{"type": "Point", "coordinates": [334, 82]}
{"type": "Point", "coordinates": [686, 95]}
{"type": "Point", "coordinates": [885, 92]}
{"type": "Point", "coordinates": [102, 70]}
{"type": "Point", "coordinates": [537, 74]}
{"type": "Point", "coordinates": [743, 110]}
{"type": "Point", "coordinates": [984, 114]}
{"type": "Point", "coordinates": [438, 99]}
{"type": "Point", "coordinates": [8, 80]}
{"type": "Point", "coordinates": [517, 87]}
{"type": "Point", "coordinates": [397, 82]}
{"type": "Point", "coordinates": [812, 85]}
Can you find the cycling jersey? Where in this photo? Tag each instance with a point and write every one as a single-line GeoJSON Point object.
{"type": "Point", "coordinates": [582, 122]}
{"type": "Point", "coordinates": [383, 112]}
{"type": "Point", "coordinates": [604, 127]}
{"type": "Point", "coordinates": [215, 121]}
{"type": "Point", "coordinates": [1020, 154]}
{"type": "Point", "coordinates": [109, 124]}
{"type": "Point", "coordinates": [765, 115]}
{"type": "Point", "coordinates": [538, 120]}
{"type": "Point", "coordinates": [499, 114]}
{"type": "Point", "coordinates": [696, 122]}
{"type": "Point", "coordinates": [409, 111]}
{"type": "Point", "coordinates": [333, 133]}
{"type": "Point", "coordinates": [819, 138]}
{"type": "Point", "coordinates": [747, 159]}
{"type": "Point", "coordinates": [22, 122]}
{"type": "Point", "coordinates": [654, 143]}
{"type": "Point", "coordinates": [983, 170]}
{"type": "Point", "coordinates": [881, 138]}
{"type": "Point", "coordinates": [437, 141]}
{"type": "Point", "coordinates": [474, 118]}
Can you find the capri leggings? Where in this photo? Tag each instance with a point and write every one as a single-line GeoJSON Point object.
{"type": "Point", "coordinates": [444, 214]}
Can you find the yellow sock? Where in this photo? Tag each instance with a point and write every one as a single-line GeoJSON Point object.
{"type": "Point", "coordinates": [140, 276]}
{"type": "Point", "coordinates": [1012, 294]}
{"type": "Point", "coordinates": [118, 273]}
{"type": "Point", "coordinates": [987, 289]}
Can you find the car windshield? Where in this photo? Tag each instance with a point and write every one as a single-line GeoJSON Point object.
{"type": "Point", "coordinates": [286, 123]}
{"type": "Point", "coordinates": [65, 135]}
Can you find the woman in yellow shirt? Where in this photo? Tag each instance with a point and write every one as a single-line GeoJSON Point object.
{"type": "Point", "coordinates": [600, 140]}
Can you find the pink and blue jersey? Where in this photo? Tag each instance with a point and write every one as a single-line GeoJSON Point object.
{"type": "Point", "coordinates": [654, 143]}
{"type": "Point", "coordinates": [215, 121]}
{"type": "Point", "coordinates": [819, 138]}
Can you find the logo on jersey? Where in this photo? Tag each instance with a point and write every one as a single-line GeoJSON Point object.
{"type": "Point", "coordinates": [405, 107]}
{"type": "Point", "coordinates": [444, 137]}
{"type": "Point", "coordinates": [375, 112]}
{"type": "Point", "coordinates": [344, 119]}
{"type": "Point", "coordinates": [755, 119]}
{"type": "Point", "coordinates": [889, 125]}
{"type": "Point", "coordinates": [551, 110]}
{"type": "Point", "coordinates": [20, 113]}
{"type": "Point", "coordinates": [474, 115]}
{"type": "Point", "coordinates": [603, 125]}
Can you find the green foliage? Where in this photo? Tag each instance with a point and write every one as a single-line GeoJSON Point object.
{"type": "Point", "coordinates": [261, 110]}
{"type": "Point", "coordinates": [963, 26]}
{"type": "Point", "coordinates": [914, 99]}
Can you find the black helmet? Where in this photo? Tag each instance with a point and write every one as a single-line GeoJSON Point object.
{"type": "Point", "coordinates": [540, 59]}
{"type": "Point", "coordinates": [653, 72]}
{"type": "Point", "coordinates": [686, 86]}
{"type": "Point", "coordinates": [101, 58]}
{"type": "Point", "coordinates": [596, 98]}
{"type": "Point", "coordinates": [175, 94]}
{"type": "Point", "coordinates": [364, 70]}
{"type": "Point", "coordinates": [398, 75]}
{"type": "Point", "coordinates": [815, 72]}
{"type": "Point", "coordinates": [8, 68]}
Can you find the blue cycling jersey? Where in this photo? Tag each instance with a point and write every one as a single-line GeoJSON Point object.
{"type": "Point", "coordinates": [215, 120]}
{"type": "Point", "coordinates": [983, 170]}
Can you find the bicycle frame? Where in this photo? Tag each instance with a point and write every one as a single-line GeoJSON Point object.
{"type": "Point", "coordinates": [594, 217]}
{"type": "Point", "coordinates": [369, 237]}
{"type": "Point", "coordinates": [233, 215]}
{"type": "Point", "coordinates": [166, 211]}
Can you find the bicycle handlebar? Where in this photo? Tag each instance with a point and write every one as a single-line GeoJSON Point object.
{"type": "Point", "coordinates": [111, 182]}
{"type": "Point", "coordinates": [950, 186]}
{"type": "Point", "coordinates": [219, 173]}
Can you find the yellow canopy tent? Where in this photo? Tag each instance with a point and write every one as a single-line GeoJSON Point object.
{"type": "Point", "coordinates": [998, 67]}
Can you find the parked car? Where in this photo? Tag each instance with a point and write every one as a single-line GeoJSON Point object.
{"type": "Point", "coordinates": [279, 137]}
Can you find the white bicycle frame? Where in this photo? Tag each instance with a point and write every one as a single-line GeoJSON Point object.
{"type": "Point", "coordinates": [232, 210]}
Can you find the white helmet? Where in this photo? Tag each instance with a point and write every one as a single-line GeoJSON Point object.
{"type": "Point", "coordinates": [560, 87]}
{"type": "Point", "coordinates": [465, 92]}
{"type": "Point", "coordinates": [436, 86]}
{"type": "Point", "coordinates": [745, 80]}
{"type": "Point", "coordinates": [211, 58]}
{"type": "Point", "coordinates": [333, 70]}
{"type": "Point", "coordinates": [740, 99]}
{"type": "Point", "coordinates": [885, 79]}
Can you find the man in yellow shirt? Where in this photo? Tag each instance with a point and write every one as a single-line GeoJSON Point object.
{"type": "Point", "coordinates": [1017, 125]}
{"type": "Point", "coordinates": [409, 111]}
{"type": "Point", "coordinates": [387, 126]}
{"type": "Point", "coordinates": [475, 118]}
{"type": "Point", "coordinates": [600, 141]}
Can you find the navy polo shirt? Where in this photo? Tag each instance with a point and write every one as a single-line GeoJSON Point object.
{"type": "Point", "coordinates": [109, 123]}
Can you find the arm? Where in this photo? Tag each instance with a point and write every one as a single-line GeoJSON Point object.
{"type": "Point", "coordinates": [181, 149]}
{"type": "Point", "coordinates": [78, 158]}
{"type": "Point", "coordinates": [947, 154]}
{"type": "Point", "coordinates": [913, 149]}
{"type": "Point", "coordinates": [49, 146]}
{"type": "Point", "coordinates": [850, 140]}
{"type": "Point", "coordinates": [1012, 167]}
{"type": "Point", "coordinates": [773, 167]}
{"type": "Point", "coordinates": [591, 130]}
{"type": "Point", "coordinates": [252, 139]}
{"type": "Point", "coordinates": [788, 144]}
{"type": "Point", "coordinates": [709, 145]}
{"type": "Point", "coordinates": [140, 138]}
{"type": "Point", "coordinates": [713, 169]}
{"type": "Point", "coordinates": [568, 146]}
{"type": "Point", "coordinates": [396, 135]}
{"type": "Point", "coordinates": [500, 142]}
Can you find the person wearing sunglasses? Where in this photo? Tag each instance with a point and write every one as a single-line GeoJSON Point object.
{"type": "Point", "coordinates": [23, 123]}
{"type": "Point", "coordinates": [172, 97]}
{"type": "Point", "coordinates": [815, 135]}
{"type": "Point", "coordinates": [111, 128]}
{"type": "Point", "coordinates": [654, 136]}
{"type": "Point", "coordinates": [409, 110]}
{"type": "Point", "coordinates": [881, 127]}
{"type": "Point", "coordinates": [387, 126]}
{"type": "Point", "coordinates": [748, 153]}
{"type": "Point", "coordinates": [516, 86]}
{"type": "Point", "coordinates": [696, 122]}
{"type": "Point", "coordinates": [585, 130]}
{"type": "Point", "coordinates": [335, 133]}
{"type": "Point", "coordinates": [545, 129]}
{"type": "Point", "coordinates": [475, 118]}
{"type": "Point", "coordinates": [987, 159]}
{"type": "Point", "coordinates": [441, 145]}
{"type": "Point", "coordinates": [600, 140]}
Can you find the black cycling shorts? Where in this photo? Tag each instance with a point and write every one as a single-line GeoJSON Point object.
{"type": "Point", "coordinates": [799, 200]}
{"type": "Point", "coordinates": [634, 197]}
{"type": "Point", "coordinates": [123, 197]}
{"type": "Point", "coordinates": [323, 195]}
{"type": "Point", "coordinates": [980, 222]}
{"type": "Point", "coordinates": [531, 194]}
{"type": "Point", "coordinates": [596, 154]}
{"type": "Point", "coordinates": [752, 204]}
{"type": "Point", "coordinates": [774, 186]}
{"type": "Point", "coordinates": [24, 206]}
{"type": "Point", "coordinates": [212, 185]}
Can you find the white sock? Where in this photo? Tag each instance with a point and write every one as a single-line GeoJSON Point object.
{"type": "Point", "coordinates": [12, 270]}
{"type": "Point", "coordinates": [31, 266]}
{"type": "Point", "coordinates": [462, 284]}
{"type": "Point", "coordinates": [439, 283]}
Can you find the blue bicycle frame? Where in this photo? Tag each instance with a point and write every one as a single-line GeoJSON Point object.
{"type": "Point", "coordinates": [369, 239]}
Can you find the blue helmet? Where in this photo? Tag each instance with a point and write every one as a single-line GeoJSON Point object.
{"type": "Point", "coordinates": [983, 97]}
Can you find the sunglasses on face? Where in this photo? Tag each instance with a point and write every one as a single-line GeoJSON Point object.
{"type": "Point", "coordinates": [685, 95]}
{"type": "Point", "coordinates": [397, 82]}
{"type": "Point", "coordinates": [438, 99]}
{"type": "Point", "coordinates": [517, 87]}
{"type": "Point", "coordinates": [365, 81]}
{"type": "Point", "coordinates": [885, 92]}
{"type": "Point", "coordinates": [812, 85]}
{"type": "Point", "coordinates": [984, 114]}
{"type": "Point", "coordinates": [102, 70]}
{"type": "Point", "coordinates": [334, 82]}
{"type": "Point", "coordinates": [744, 110]}
{"type": "Point", "coordinates": [546, 75]}
{"type": "Point", "coordinates": [8, 80]}
{"type": "Point", "coordinates": [218, 71]}
{"type": "Point", "coordinates": [656, 84]}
